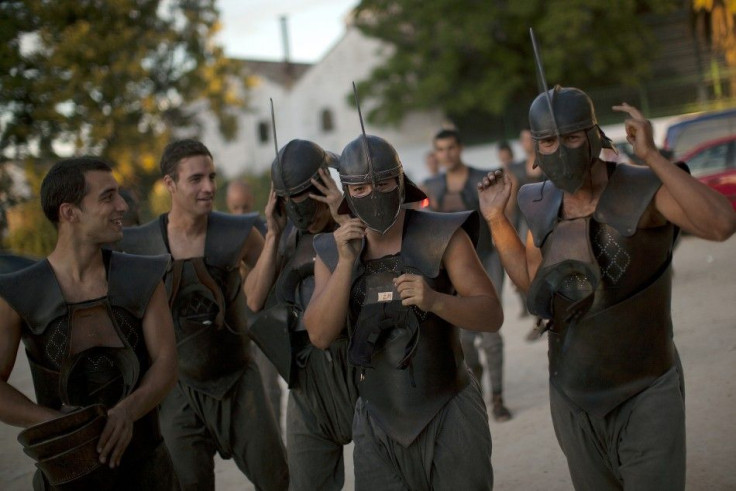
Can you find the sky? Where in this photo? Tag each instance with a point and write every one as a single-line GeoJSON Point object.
{"type": "Point", "coordinates": [252, 29]}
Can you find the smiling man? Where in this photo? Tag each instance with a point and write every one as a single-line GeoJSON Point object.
{"type": "Point", "coordinates": [98, 335]}
{"type": "Point", "coordinates": [218, 404]}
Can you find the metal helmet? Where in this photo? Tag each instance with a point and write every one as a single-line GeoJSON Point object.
{"type": "Point", "coordinates": [291, 173]}
{"type": "Point", "coordinates": [371, 159]}
{"type": "Point", "coordinates": [572, 111]}
{"type": "Point", "coordinates": [297, 163]}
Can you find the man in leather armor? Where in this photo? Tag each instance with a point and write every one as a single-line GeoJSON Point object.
{"type": "Point", "coordinates": [455, 190]}
{"type": "Point", "coordinates": [597, 262]}
{"type": "Point", "coordinates": [405, 280]}
{"type": "Point", "coordinates": [322, 383]}
{"type": "Point", "coordinates": [98, 334]}
{"type": "Point", "coordinates": [219, 403]}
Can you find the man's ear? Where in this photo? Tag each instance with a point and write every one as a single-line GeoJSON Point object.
{"type": "Point", "coordinates": [68, 212]}
{"type": "Point", "coordinates": [169, 183]}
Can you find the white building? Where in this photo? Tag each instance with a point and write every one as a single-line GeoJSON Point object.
{"type": "Point", "coordinates": [312, 102]}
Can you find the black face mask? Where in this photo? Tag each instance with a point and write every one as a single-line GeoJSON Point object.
{"type": "Point", "coordinates": [301, 214]}
{"type": "Point", "coordinates": [378, 210]}
{"type": "Point", "coordinates": [566, 167]}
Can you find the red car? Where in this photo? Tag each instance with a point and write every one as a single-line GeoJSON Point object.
{"type": "Point", "coordinates": [714, 163]}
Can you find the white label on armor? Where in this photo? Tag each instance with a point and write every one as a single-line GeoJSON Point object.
{"type": "Point", "coordinates": [385, 296]}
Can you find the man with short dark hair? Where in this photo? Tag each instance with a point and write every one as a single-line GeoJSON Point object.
{"type": "Point", "coordinates": [97, 331]}
{"type": "Point", "coordinates": [455, 190]}
{"type": "Point", "coordinates": [218, 404]}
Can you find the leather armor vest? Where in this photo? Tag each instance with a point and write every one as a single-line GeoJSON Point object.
{"type": "Point", "coordinates": [54, 333]}
{"type": "Point", "coordinates": [279, 329]}
{"type": "Point", "coordinates": [206, 299]}
{"type": "Point", "coordinates": [437, 190]}
{"type": "Point", "coordinates": [606, 284]}
{"type": "Point", "coordinates": [411, 361]}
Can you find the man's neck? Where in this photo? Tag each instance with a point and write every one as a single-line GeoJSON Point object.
{"type": "Point", "coordinates": [187, 223]}
{"type": "Point", "coordinates": [79, 268]}
{"type": "Point", "coordinates": [459, 169]}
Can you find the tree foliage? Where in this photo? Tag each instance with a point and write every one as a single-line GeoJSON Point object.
{"type": "Point", "coordinates": [716, 20]}
{"type": "Point", "coordinates": [476, 56]}
{"type": "Point", "coordinates": [112, 78]}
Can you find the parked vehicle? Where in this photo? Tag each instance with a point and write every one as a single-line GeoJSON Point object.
{"type": "Point", "coordinates": [692, 130]}
{"type": "Point", "coordinates": [714, 163]}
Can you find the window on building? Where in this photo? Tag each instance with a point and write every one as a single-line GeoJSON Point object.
{"type": "Point", "coordinates": [263, 132]}
{"type": "Point", "coordinates": [328, 122]}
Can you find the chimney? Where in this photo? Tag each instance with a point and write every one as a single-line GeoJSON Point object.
{"type": "Point", "coordinates": [288, 68]}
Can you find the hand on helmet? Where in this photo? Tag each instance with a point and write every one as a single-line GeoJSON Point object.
{"type": "Point", "coordinates": [331, 194]}
{"type": "Point", "coordinates": [494, 191]}
{"type": "Point", "coordinates": [348, 238]}
{"type": "Point", "coordinates": [638, 131]}
{"type": "Point", "coordinates": [275, 214]}
{"type": "Point", "coordinates": [414, 290]}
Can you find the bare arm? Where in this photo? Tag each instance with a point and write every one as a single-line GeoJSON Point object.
{"type": "Point", "coordinates": [262, 255]}
{"type": "Point", "coordinates": [15, 408]}
{"type": "Point", "coordinates": [328, 308]}
{"type": "Point", "coordinates": [682, 199]}
{"type": "Point", "coordinates": [494, 192]}
{"type": "Point", "coordinates": [475, 307]}
{"type": "Point", "coordinates": [158, 333]}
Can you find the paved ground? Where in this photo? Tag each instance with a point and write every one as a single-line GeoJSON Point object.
{"type": "Point", "coordinates": [525, 452]}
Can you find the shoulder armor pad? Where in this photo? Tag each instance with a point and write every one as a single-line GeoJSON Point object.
{"type": "Point", "coordinates": [427, 235]}
{"type": "Point", "coordinates": [474, 177]}
{"type": "Point", "coordinates": [326, 249]}
{"type": "Point", "coordinates": [146, 239]}
{"type": "Point", "coordinates": [132, 279]}
{"type": "Point", "coordinates": [435, 186]}
{"type": "Point", "coordinates": [10, 263]}
{"type": "Point", "coordinates": [260, 225]}
{"type": "Point", "coordinates": [540, 203]}
{"type": "Point", "coordinates": [470, 190]}
{"type": "Point", "coordinates": [39, 300]}
{"type": "Point", "coordinates": [226, 235]}
{"type": "Point", "coordinates": [628, 193]}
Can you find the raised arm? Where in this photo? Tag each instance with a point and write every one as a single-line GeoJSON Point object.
{"type": "Point", "coordinates": [682, 199]}
{"type": "Point", "coordinates": [158, 333]}
{"type": "Point", "coordinates": [493, 193]}
{"type": "Point", "coordinates": [475, 306]}
{"type": "Point", "coordinates": [264, 269]}
{"type": "Point", "coordinates": [328, 308]}
{"type": "Point", "coordinates": [15, 408]}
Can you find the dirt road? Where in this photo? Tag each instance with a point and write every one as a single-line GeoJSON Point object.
{"type": "Point", "coordinates": [525, 452]}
